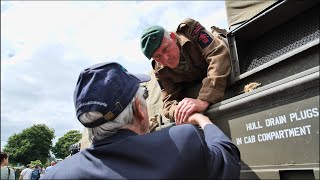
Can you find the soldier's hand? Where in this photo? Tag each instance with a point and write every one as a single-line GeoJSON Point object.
{"type": "Point", "coordinates": [188, 106]}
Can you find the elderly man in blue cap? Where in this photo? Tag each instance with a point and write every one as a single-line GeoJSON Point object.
{"type": "Point", "coordinates": [112, 104]}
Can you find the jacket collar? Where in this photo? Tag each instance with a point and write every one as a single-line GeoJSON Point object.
{"type": "Point", "coordinates": [181, 40]}
{"type": "Point", "coordinates": [119, 135]}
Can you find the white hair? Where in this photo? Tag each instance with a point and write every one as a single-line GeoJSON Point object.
{"type": "Point", "coordinates": [109, 128]}
{"type": "Point", "coordinates": [166, 34]}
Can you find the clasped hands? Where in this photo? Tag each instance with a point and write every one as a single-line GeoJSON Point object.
{"type": "Point", "coordinates": [187, 107]}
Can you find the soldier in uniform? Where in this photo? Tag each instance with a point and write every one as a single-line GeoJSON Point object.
{"type": "Point", "coordinates": [182, 59]}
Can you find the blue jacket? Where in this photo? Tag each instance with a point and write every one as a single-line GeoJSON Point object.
{"type": "Point", "coordinates": [181, 151]}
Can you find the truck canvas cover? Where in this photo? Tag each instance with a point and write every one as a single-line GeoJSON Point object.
{"type": "Point", "coordinates": [240, 11]}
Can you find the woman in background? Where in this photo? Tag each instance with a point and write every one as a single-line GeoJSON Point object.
{"type": "Point", "coordinates": [6, 172]}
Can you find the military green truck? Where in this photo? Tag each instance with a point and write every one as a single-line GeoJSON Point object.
{"type": "Point", "coordinates": [271, 106]}
{"type": "Point", "coordinates": [276, 124]}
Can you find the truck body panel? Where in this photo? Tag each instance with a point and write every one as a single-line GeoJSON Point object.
{"type": "Point", "coordinates": [276, 125]}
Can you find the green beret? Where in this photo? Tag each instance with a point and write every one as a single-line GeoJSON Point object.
{"type": "Point", "coordinates": [151, 40]}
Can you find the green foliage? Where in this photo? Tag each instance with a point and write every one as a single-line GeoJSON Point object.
{"type": "Point", "coordinates": [61, 149]}
{"type": "Point", "coordinates": [31, 144]}
{"type": "Point", "coordinates": [36, 162]}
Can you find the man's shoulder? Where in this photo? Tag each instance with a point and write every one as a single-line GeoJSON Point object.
{"type": "Point", "coordinates": [188, 21]}
{"type": "Point", "coordinates": [183, 134]}
{"type": "Point", "coordinates": [187, 128]}
{"type": "Point", "coordinates": [193, 30]}
{"type": "Point", "coordinates": [183, 131]}
{"type": "Point", "coordinates": [186, 24]}
{"type": "Point", "coordinates": [177, 130]}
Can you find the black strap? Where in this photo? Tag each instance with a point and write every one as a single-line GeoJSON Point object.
{"type": "Point", "coordinates": [8, 173]}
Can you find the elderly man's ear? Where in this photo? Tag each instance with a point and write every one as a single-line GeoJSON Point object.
{"type": "Point", "coordinates": [139, 112]}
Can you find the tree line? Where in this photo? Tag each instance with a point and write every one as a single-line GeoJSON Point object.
{"type": "Point", "coordinates": [35, 143]}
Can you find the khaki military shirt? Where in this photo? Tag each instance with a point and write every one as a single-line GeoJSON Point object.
{"type": "Point", "coordinates": [204, 59]}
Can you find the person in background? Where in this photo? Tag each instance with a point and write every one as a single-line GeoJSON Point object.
{"type": "Point", "coordinates": [183, 60]}
{"type": "Point", "coordinates": [36, 173]}
{"type": "Point", "coordinates": [111, 103]}
{"type": "Point", "coordinates": [51, 165]}
{"type": "Point", "coordinates": [26, 173]}
{"type": "Point", "coordinates": [6, 172]}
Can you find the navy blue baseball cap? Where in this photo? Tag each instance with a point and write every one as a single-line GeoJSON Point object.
{"type": "Point", "coordinates": [106, 88]}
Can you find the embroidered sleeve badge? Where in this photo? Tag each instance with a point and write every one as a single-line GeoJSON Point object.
{"type": "Point", "coordinates": [196, 29]}
{"type": "Point", "coordinates": [204, 39]}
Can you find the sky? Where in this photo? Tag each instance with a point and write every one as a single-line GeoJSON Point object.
{"type": "Point", "coordinates": [46, 44]}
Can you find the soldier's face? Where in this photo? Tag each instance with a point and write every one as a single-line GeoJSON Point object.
{"type": "Point", "coordinates": [168, 54]}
